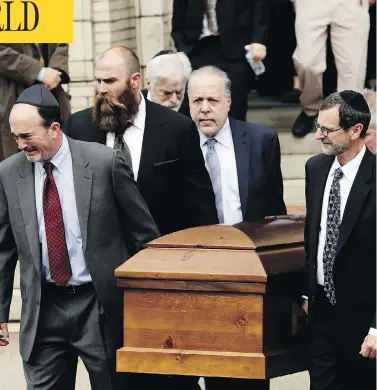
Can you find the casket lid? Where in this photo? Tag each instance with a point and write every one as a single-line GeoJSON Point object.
{"type": "Point", "coordinates": [246, 252]}
{"type": "Point", "coordinates": [276, 231]}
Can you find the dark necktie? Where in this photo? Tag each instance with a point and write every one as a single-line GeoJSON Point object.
{"type": "Point", "coordinates": [332, 235]}
{"type": "Point", "coordinates": [58, 258]}
{"type": "Point", "coordinates": [120, 144]}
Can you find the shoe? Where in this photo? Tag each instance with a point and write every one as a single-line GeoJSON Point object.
{"type": "Point", "coordinates": [292, 96]}
{"type": "Point", "coordinates": [303, 125]}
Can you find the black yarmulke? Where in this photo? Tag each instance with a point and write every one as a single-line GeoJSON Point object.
{"type": "Point", "coordinates": [355, 100]}
{"type": "Point", "coordinates": [38, 95]}
{"type": "Point", "coordinates": [163, 52]}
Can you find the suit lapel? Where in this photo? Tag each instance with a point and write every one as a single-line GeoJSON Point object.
{"type": "Point", "coordinates": [242, 151]}
{"type": "Point", "coordinates": [356, 199]}
{"type": "Point", "coordinates": [151, 140]}
{"type": "Point", "coordinates": [318, 183]}
{"type": "Point", "coordinates": [82, 179]}
{"type": "Point", "coordinates": [26, 195]}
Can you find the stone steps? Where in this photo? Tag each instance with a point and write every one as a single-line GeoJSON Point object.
{"type": "Point", "coordinates": [294, 151]}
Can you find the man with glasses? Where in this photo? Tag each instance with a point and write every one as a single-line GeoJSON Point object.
{"type": "Point", "coordinates": [340, 243]}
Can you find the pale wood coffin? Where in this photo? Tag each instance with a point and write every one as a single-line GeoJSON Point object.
{"type": "Point", "coordinates": [215, 301]}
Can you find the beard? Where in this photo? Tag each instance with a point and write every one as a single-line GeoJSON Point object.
{"type": "Point", "coordinates": [334, 150]}
{"type": "Point", "coordinates": [111, 114]}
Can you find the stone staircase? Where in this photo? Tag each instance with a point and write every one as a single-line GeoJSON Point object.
{"type": "Point", "coordinates": [294, 152]}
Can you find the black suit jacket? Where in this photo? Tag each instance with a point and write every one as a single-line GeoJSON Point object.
{"type": "Point", "coordinates": [240, 22]}
{"type": "Point", "coordinates": [257, 151]}
{"type": "Point", "coordinates": [355, 262]}
{"type": "Point", "coordinates": [172, 176]}
{"type": "Point", "coordinates": [184, 109]}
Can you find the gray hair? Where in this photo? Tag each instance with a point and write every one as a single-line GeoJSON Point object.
{"type": "Point", "coordinates": [370, 96]}
{"type": "Point", "coordinates": [213, 71]}
{"type": "Point", "coordinates": [175, 67]}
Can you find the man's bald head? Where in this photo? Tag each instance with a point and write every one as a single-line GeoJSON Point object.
{"type": "Point", "coordinates": [122, 55]}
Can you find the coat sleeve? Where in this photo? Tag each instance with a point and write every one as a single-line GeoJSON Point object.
{"type": "Point", "coordinates": [305, 288]}
{"type": "Point", "coordinates": [261, 21]}
{"type": "Point", "coordinates": [275, 181]}
{"type": "Point", "coordinates": [179, 11]}
{"type": "Point", "coordinates": [134, 214]}
{"type": "Point", "coordinates": [59, 61]}
{"type": "Point", "coordinates": [197, 190]}
{"type": "Point", "coordinates": [18, 66]}
{"type": "Point", "coordinates": [8, 258]}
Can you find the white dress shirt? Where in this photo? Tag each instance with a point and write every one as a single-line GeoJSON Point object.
{"type": "Point", "coordinates": [133, 137]}
{"type": "Point", "coordinates": [349, 173]}
{"type": "Point", "coordinates": [63, 175]}
{"type": "Point", "coordinates": [229, 177]}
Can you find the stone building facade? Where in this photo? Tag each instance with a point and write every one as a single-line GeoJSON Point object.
{"type": "Point", "coordinates": [142, 25]}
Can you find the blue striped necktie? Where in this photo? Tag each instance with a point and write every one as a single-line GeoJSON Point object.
{"type": "Point", "coordinates": [214, 171]}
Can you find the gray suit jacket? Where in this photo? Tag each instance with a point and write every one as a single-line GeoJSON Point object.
{"type": "Point", "coordinates": [113, 219]}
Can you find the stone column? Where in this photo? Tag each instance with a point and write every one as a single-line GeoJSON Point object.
{"type": "Point", "coordinates": [153, 28]}
{"type": "Point", "coordinates": [142, 25]}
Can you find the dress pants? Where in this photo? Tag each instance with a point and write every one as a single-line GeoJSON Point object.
{"type": "Point", "coordinates": [236, 384]}
{"type": "Point", "coordinates": [335, 362]}
{"type": "Point", "coordinates": [349, 28]}
{"type": "Point", "coordinates": [73, 325]}
{"type": "Point", "coordinates": [208, 51]}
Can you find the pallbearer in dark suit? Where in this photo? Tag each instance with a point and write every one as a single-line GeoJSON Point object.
{"type": "Point", "coordinates": [67, 211]}
{"type": "Point", "coordinates": [243, 161]}
{"type": "Point", "coordinates": [162, 148]}
{"type": "Point", "coordinates": [163, 145]}
{"type": "Point", "coordinates": [340, 239]}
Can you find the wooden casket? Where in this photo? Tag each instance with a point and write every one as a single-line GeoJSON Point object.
{"type": "Point", "coordinates": [216, 301]}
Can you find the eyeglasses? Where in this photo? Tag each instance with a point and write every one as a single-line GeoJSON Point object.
{"type": "Point", "coordinates": [324, 130]}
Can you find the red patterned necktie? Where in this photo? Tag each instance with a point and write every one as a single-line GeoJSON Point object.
{"type": "Point", "coordinates": [60, 267]}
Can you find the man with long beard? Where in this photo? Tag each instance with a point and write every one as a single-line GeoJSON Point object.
{"type": "Point", "coordinates": [162, 149]}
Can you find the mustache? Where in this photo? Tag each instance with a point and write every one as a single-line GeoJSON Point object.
{"type": "Point", "coordinates": [108, 103]}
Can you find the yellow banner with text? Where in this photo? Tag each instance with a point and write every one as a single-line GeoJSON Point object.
{"type": "Point", "coordinates": [36, 21]}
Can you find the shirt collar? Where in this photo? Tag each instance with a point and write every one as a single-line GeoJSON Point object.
{"type": "Point", "coordinates": [351, 168]}
{"type": "Point", "coordinates": [59, 159]}
{"type": "Point", "coordinates": [224, 136]}
{"type": "Point", "coordinates": [139, 120]}
{"type": "Point", "coordinates": [149, 96]}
